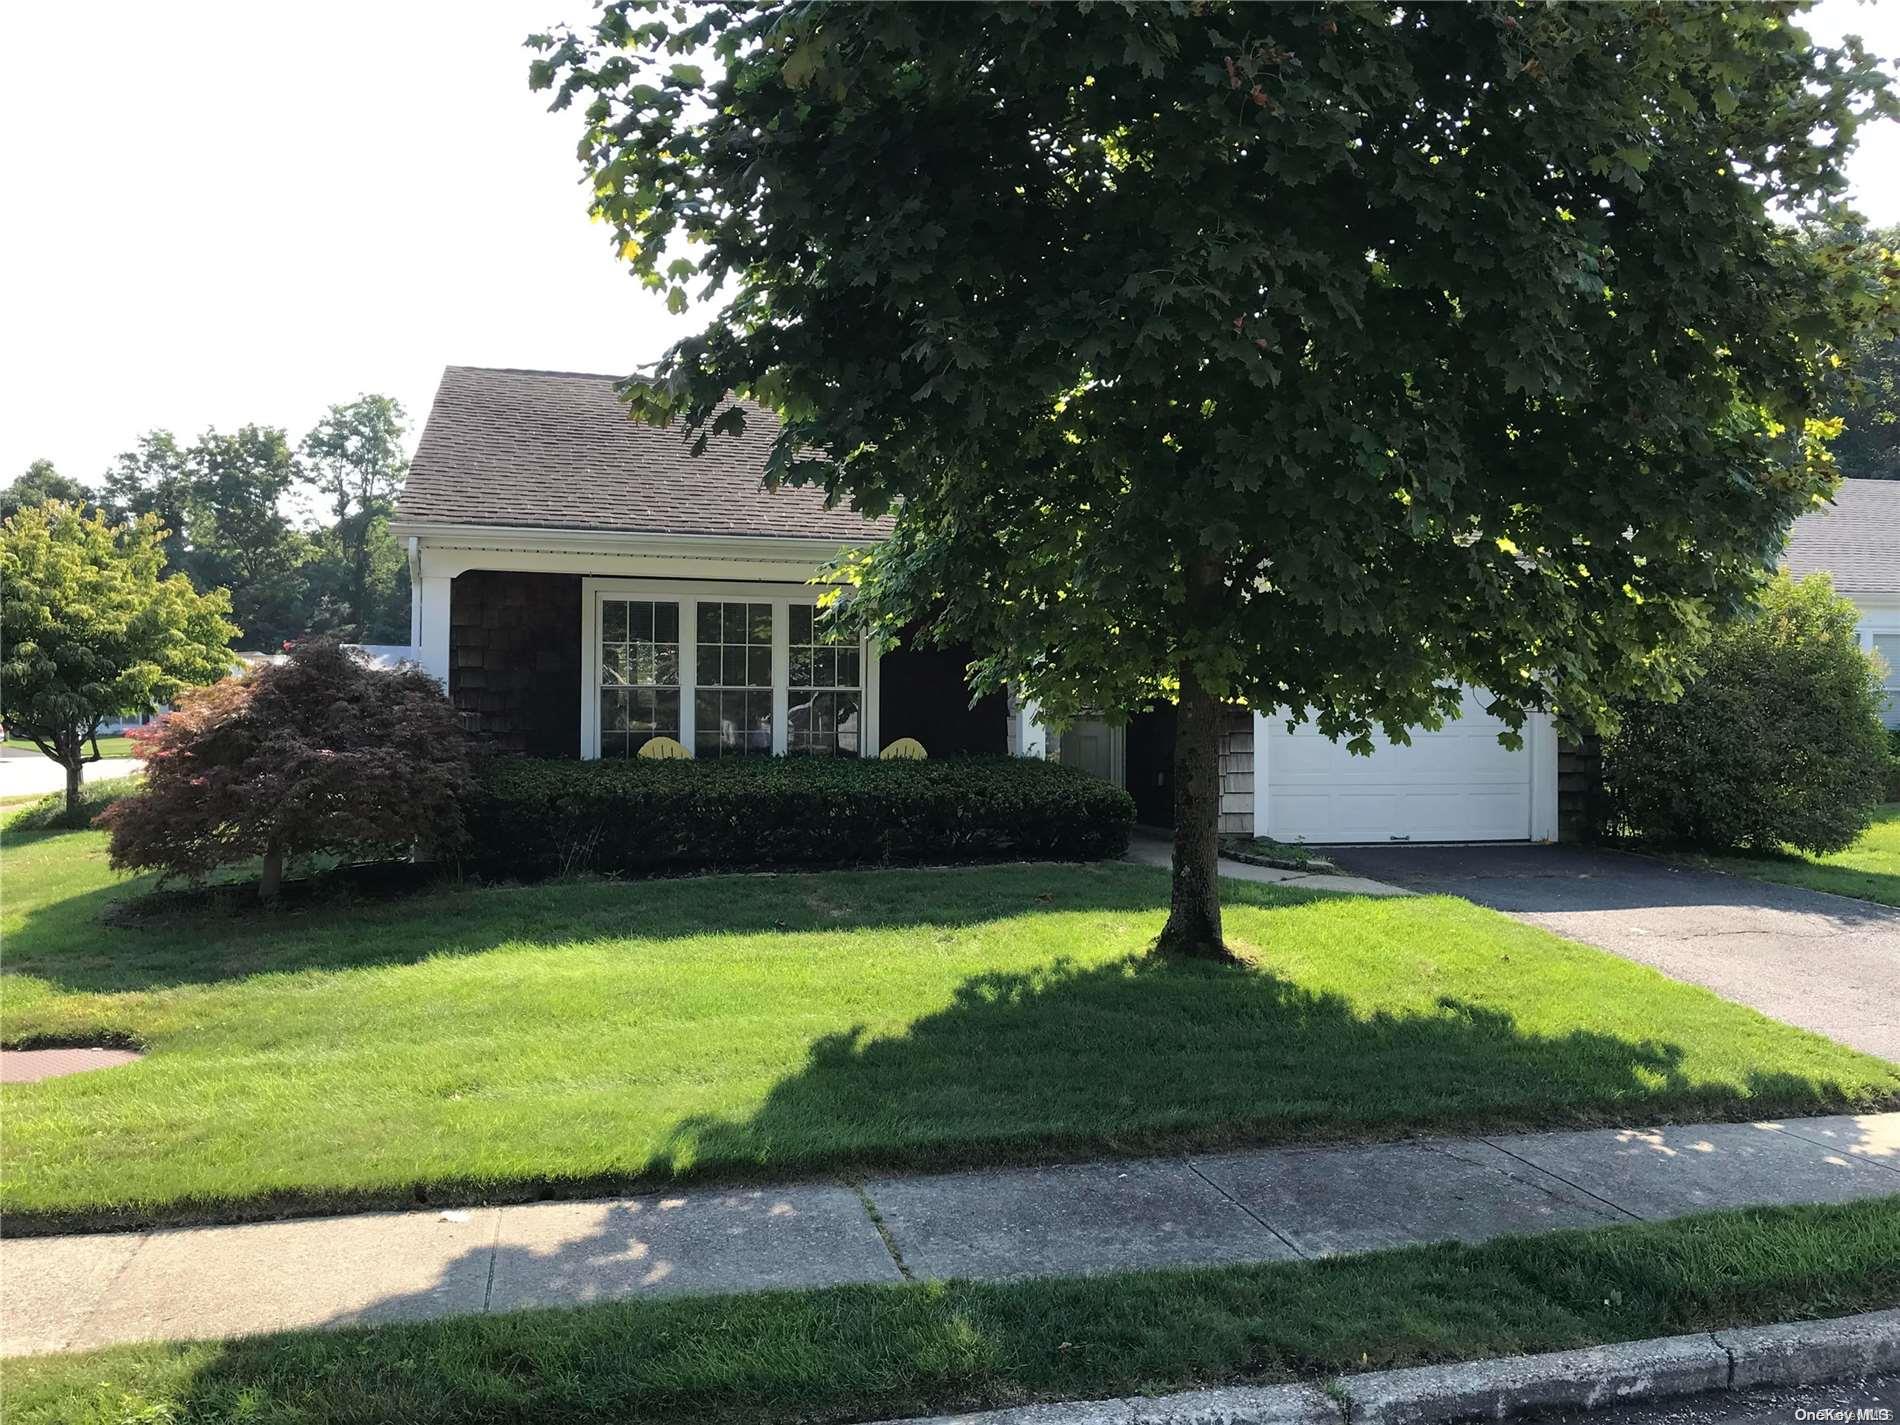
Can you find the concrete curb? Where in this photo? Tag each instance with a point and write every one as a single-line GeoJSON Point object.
{"type": "Point", "coordinates": [1793, 1353]}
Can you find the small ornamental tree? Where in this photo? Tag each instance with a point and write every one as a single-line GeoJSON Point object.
{"type": "Point", "coordinates": [89, 631]}
{"type": "Point", "coordinates": [1321, 356]}
{"type": "Point", "coordinates": [1778, 741]}
{"type": "Point", "coordinates": [318, 754]}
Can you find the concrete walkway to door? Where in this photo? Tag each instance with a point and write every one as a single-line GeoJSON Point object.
{"type": "Point", "coordinates": [1821, 961]}
{"type": "Point", "coordinates": [1153, 849]}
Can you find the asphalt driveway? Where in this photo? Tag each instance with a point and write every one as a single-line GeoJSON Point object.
{"type": "Point", "coordinates": [1823, 962]}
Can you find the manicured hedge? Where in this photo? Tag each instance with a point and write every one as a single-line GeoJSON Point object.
{"type": "Point", "coordinates": [542, 817]}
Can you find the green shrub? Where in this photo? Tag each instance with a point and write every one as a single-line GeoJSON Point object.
{"type": "Point", "coordinates": [50, 813]}
{"type": "Point", "coordinates": [1778, 741]}
{"type": "Point", "coordinates": [1892, 791]}
{"type": "Point", "coordinates": [541, 817]}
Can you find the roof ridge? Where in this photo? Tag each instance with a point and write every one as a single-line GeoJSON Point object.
{"type": "Point", "coordinates": [537, 371]}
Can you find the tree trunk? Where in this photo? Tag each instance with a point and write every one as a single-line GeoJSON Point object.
{"type": "Point", "coordinates": [1193, 930]}
{"type": "Point", "coordinates": [272, 878]}
{"type": "Point", "coordinates": [75, 770]}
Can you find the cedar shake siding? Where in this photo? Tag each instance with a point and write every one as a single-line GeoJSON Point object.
{"type": "Point", "coordinates": [515, 661]}
{"type": "Point", "coordinates": [1580, 810]}
{"type": "Point", "coordinates": [922, 694]}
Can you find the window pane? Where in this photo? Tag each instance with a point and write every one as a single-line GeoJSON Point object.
{"type": "Point", "coordinates": [708, 666]}
{"type": "Point", "coordinates": [762, 624]}
{"type": "Point", "coordinates": [666, 664]}
{"type": "Point", "coordinates": [613, 621]}
{"type": "Point", "coordinates": [640, 712]}
{"type": "Point", "coordinates": [613, 744]}
{"type": "Point", "coordinates": [759, 723]}
{"type": "Point", "coordinates": [801, 623]}
{"type": "Point", "coordinates": [706, 717]}
{"type": "Point", "coordinates": [640, 622]}
{"type": "Point", "coordinates": [734, 667]}
{"type": "Point", "coordinates": [613, 711]}
{"type": "Point", "coordinates": [613, 663]}
{"type": "Point", "coordinates": [824, 668]}
{"type": "Point", "coordinates": [847, 667]}
{"type": "Point", "coordinates": [801, 668]}
{"type": "Point", "coordinates": [666, 623]}
{"type": "Point", "coordinates": [709, 623]}
{"type": "Point", "coordinates": [759, 667]}
{"type": "Point", "coordinates": [666, 713]}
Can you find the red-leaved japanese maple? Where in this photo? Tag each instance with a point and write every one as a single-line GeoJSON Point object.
{"type": "Point", "coordinates": [320, 754]}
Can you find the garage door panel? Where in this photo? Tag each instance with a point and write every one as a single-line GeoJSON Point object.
{"type": "Point", "coordinates": [1457, 784]}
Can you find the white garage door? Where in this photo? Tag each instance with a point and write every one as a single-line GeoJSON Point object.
{"type": "Point", "coordinates": [1457, 784]}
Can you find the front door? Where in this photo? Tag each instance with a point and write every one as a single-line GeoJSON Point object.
{"type": "Point", "coordinates": [1095, 747]}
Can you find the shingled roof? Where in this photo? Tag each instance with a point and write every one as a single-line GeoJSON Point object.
{"type": "Point", "coordinates": [1856, 539]}
{"type": "Point", "coordinates": [557, 450]}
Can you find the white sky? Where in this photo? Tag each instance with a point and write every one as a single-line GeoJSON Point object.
{"type": "Point", "coordinates": [224, 212]}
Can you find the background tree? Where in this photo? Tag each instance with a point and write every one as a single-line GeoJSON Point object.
{"type": "Point", "coordinates": [1777, 741]}
{"type": "Point", "coordinates": [154, 478]}
{"type": "Point", "coordinates": [320, 754]}
{"type": "Point", "coordinates": [1324, 356]}
{"type": "Point", "coordinates": [241, 538]}
{"type": "Point", "coordinates": [91, 630]}
{"type": "Point", "coordinates": [1868, 447]}
{"type": "Point", "coordinates": [39, 483]}
{"type": "Point", "coordinates": [354, 458]}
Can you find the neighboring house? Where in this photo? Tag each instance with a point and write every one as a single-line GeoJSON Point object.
{"type": "Point", "coordinates": [583, 583]}
{"type": "Point", "coordinates": [1856, 542]}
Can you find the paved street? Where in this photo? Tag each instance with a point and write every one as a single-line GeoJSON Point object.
{"type": "Point", "coordinates": [1823, 962]}
{"type": "Point", "coordinates": [28, 774]}
{"type": "Point", "coordinates": [1075, 1219]}
{"type": "Point", "coordinates": [1782, 1405]}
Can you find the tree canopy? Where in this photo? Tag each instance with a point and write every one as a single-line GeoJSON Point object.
{"type": "Point", "coordinates": [37, 484]}
{"type": "Point", "coordinates": [92, 629]}
{"type": "Point", "coordinates": [1321, 356]}
{"type": "Point", "coordinates": [320, 753]}
{"type": "Point", "coordinates": [226, 502]}
{"type": "Point", "coordinates": [1868, 447]}
{"type": "Point", "coordinates": [353, 456]}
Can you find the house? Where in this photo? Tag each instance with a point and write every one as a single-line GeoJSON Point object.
{"type": "Point", "coordinates": [1856, 541]}
{"type": "Point", "coordinates": [582, 583]}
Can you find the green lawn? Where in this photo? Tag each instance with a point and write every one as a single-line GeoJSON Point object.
{"type": "Point", "coordinates": [1869, 870]}
{"type": "Point", "coordinates": [586, 1036]}
{"type": "Point", "coordinates": [873, 1352]}
{"type": "Point", "coordinates": [108, 746]}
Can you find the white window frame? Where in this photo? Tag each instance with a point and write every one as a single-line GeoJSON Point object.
{"type": "Point", "coordinates": [688, 594]}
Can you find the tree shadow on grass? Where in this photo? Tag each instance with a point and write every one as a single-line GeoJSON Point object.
{"type": "Point", "coordinates": [1142, 1054]}
{"type": "Point", "coordinates": [1129, 1055]}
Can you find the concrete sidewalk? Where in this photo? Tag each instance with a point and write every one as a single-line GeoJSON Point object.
{"type": "Point", "coordinates": [1259, 1206]}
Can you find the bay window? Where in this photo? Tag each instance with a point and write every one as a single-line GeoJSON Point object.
{"type": "Point", "coordinates": [725, 671]}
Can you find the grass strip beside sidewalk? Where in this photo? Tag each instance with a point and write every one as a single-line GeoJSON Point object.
{"type": "Point", "coordinates": [867, 1352]}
